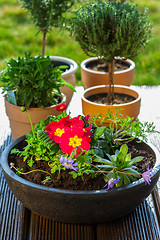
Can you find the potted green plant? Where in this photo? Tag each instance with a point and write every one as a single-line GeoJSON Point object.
{"type": "Point", "coordinates": [33, 83]}
{"type": "Point", "coordinates": [70, 170]}
{"type": "Point", "coordinates": [94, 71]}
{"type": "Point", "coordinates": [49, 14]}
{"type": "Point", "coordinates": [107, 30]}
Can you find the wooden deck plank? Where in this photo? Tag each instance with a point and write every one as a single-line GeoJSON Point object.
{"type": "Point", "coordinates": [42, 228]}
{"type": "Point", "coordinates": [140, 224]}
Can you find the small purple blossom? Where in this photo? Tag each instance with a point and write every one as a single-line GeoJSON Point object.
{"type": "Point", "coordinates": [146, 176]}
{"type": "Point", "coordinates": [111, 182]}
{"type": "Point", "coordinates": [68, 163]}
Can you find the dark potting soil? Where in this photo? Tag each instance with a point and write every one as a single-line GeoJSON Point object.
{"type": "Point", "coordinates": [65, 180]}
{"type": "Point", "coordinates": [103, 67]}
{"type": "Point", "coordinates": [65, 66]}
{"type": "Point", "coordinates": [101, 98]}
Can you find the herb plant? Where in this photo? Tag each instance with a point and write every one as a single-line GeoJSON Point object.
{"type": "Point", "coordinates": [80, 147]}
{"type": "Point", "coordinates": [47, 14]}
{"type": "Point", "coordinates": [34, 80]}
{"type": "Point", "coordinates": [110, 29]}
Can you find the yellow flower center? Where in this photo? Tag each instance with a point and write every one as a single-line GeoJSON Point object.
{"type": "Point", "coordinates": [75, 141]}
{"type": "Point", "coordinates": [59, 132]}
{"type": "Point", "coordinates": [67, 164]}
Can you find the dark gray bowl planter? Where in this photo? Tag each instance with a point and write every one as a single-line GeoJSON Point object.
{"type": "Point", "coordinates": [78, 206]}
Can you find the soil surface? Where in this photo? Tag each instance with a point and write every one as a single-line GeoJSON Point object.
{"type": "Point", "coordinates": [103, 67]}
{"type": "Point", "coordinates": [119, 98]}
{"type": "Point", "coordinates": [65, 180]}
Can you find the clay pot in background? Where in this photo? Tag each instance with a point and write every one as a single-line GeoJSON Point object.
{"type": "Point", "coordinates": [130, 109]}
{"type": "Point", "coordinates": [68, 75]}
{"type": "Point", "coordinates": [92, 78]}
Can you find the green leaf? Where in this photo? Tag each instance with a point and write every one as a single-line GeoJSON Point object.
{"type": "Point", "coordinates": [74, 174]}
{"type": "Point", "coordinates": [30, 162]}
{"type": "Point", "coordinates": [134, 160]}
{"type": "Point", "coordinates": [98, 133]}
{"type": "Point", "coordinates": [105, 167]}
{"type": "Point", "coordinates": [131, 172]}
{"type": "Point", "coordinates": [124, 149]}
{"type": "Point", "coordinates": [41, 83]}
{"type": "Point", "coordinates": [47, 142]}
{"type": "Point", "coordinates": [126, 179]}
{"type": "Point", "coordinates": [128, 157]}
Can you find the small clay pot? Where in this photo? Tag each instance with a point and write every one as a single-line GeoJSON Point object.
{"type": "Point", "coordinates": [19, 121]}
{"type": "Point", "coordinates": [130, 109]}
{"type": "Point", "coordinates": [92, 78]}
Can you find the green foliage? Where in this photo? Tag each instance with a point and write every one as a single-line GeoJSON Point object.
{"type": "Point", "coordinates": [34, 80]}
{"type": "Point", "coordinates": [47, 179]}
{"type": "Point", "coordinates": [107, 156]}
{"type": "Point", "coordinates": [43, 137]}
{"type": "Point", "coordinates": [124, 129]}
{"type": "Point", "coordinates": [109, 29]}
{"type": "Point", "coordinates": [47, 13]}
{"type": "Point", "coordinates": [120, 165]}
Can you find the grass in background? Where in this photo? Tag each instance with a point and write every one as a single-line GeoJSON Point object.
{"type": "Point", "coordinates": [18, 35]}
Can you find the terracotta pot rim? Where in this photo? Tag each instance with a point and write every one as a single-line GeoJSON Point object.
{"type": "Point", "coordinates": [115, 86]}
{"type": "Point", "coordinates": [84, 62]}
{"type": "Point", "coordinates": [8, 170]}
{"type": "Point", "coordinates": [72, 63]}
{"type": "Point", "coordinates": [36, 109]}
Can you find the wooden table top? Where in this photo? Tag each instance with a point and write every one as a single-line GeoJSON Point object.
{"type": "Point", "coordinates": [18, 223]}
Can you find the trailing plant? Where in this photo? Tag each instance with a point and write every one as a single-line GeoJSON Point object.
{"type": "Point", "coordinates": [80, 147]}
{"type": "Point", "coordinates": [47, 14]}
{"type": "Point", "coordinates": [33, 80]}
{"type": "Point", "coordinates": [110, 29]}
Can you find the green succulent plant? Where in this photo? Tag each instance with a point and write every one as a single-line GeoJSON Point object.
{"type": "Point", "coordinates": [120, 165]}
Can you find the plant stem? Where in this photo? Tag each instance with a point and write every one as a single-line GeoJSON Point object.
{"type": "Point", "coordinates": [31, 123]}
{"type": "Point", "coordinates": [43, 42]}
{"type": "Point", "coordinates": [99, 170]}
{"type": "Point", "coordinates": [110, 96]}
{"type": "Point", "coordinates": [35, 170]}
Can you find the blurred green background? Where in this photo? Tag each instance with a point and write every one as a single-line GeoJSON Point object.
{"type": "Point", "coordinates": [18, 35]}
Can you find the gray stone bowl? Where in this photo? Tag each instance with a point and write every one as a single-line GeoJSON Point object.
{"type": "Point", "coordinates": [80, 207]}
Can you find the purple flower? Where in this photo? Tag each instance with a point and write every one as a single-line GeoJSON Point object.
{"type": "Point", "coordinates": [146, 176]}
{"type": "Point", "coordinates": [68, 163]}
{"type": "Point", "coordinates": [111, 182]}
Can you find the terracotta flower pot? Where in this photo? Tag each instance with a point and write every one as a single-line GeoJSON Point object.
{"type": "Point", "coordinates": [80, 207]}
{"type": "Point", "coordinates": [68, 75]}
{"type": "Point", "coordinates": [130, 109]}
{"type": "Point", "coordinates": [92, 78]}
{"type": "Point", "coordinates": [19, 121]}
